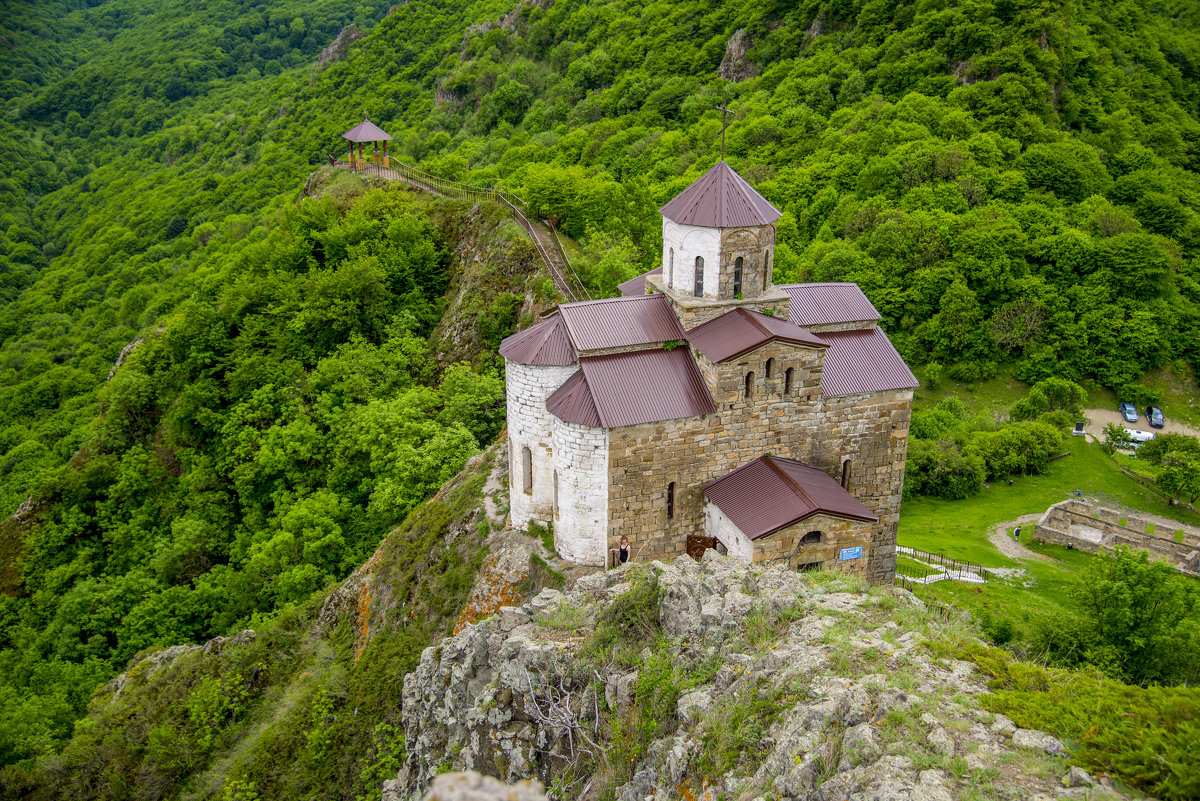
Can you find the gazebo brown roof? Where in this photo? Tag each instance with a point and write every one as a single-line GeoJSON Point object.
{"type": "Point", "coordinates": [720, 199]}
{"type": "Point", "coordinates": [367, 131]}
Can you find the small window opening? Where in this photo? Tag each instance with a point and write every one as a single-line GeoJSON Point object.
{"type": "Point", "coordinates": [527, 469]}
{"type": "Point", "coordinates": [770, 364]}
{"type": "Point", "coordinates": [699, 276]}
{"type": "Point", "coordinates": [671, 501]}
{"type": "Point", "coordinates": [810, 567]}
{"type": "Point", "coordinates": [811, 538]}
{"type": "Point", "coordinates": [846, 475]}
{"type": "Point", "coordinates": [749, 385]}
{"type": "Point", "coordinates": [671, 268]}
{"type": "Point", "coordinates": [766, 269]}
{"type": "Point", "coordinates": [555, 492]}
{"type": "Point", "coordinates": [737, 276]}
{"type": "Point", "coordinates": [787, 381]}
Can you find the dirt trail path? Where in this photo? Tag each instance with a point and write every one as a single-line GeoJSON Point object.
{"type": "Point", "coordinates": [999, 538]}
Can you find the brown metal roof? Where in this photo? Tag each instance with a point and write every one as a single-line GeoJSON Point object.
{"type": "Point", "coordinates": [741, 331]}
{"type": "Point", "coordinates": [572, 402]}
{"type": "Point", "coordinates": [366, 131]}
{"type": "Point", "coordinates": [828, 303]}
{"type": "Point", "coordinates": [770, 492]}
{"type": "Point", "coordinates": [720, 199]}
{"type": "Point", "coordinates": [543, 344]}
{"type": "Point", "coordinates": [637, 286]}
{"type": "Point", "coordinates": [624, 389]}
{"type": "Point", "coordinates": [620, 322]}
{"type": "Point", "coordinates": [863, 361]}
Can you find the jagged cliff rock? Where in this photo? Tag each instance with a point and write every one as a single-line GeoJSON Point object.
{"type": "Point", "coordinates": [336, 50]}
{"type": "Point", "coordinates": [736, 66]}
{"type": "Point", "coordinates": [776, 685]}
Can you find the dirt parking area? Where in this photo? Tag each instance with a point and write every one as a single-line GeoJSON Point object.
{"type": "Point", "coordinates": [1099, 418]}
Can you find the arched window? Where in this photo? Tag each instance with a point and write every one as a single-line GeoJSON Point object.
{"type": "Point", "coordinates": [699, 276]}
{"type": "Point", "coordinates": [671, 501]}
{"type": "Point", "coordinates": [811, 538]}
{"type": "Point", "coordinates": [527, 469]}
{"type": "Point", "coordinates": [787, 381]}
{"type": "Point", "coordinates": [846, 475]}
{"type": "Point", "coordinates": [749, 386]}
{"type": "Point", "coordinates": [770, 364]}
{"type": "Point", "coordinates": [737, 276]}
{"type": "Point", "coordinates": [671, 267]}
{"type": "Point", "coordinates": [555, 492]}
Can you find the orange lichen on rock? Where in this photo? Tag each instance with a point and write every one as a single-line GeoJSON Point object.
{"type": "Point", "coordinates": [362, 612]}
{"type": "Point", "coordinates": [496, 587]}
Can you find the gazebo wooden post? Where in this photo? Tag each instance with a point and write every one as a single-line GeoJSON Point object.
{"type": "Point", "coordinates": [352, 155]}
{"type": "Point", "coordinates": [361, 161]}
{"type": "Point", "coordinates": [386, 163]}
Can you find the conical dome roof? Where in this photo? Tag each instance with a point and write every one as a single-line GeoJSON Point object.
{"type": "Point", "coordinates": [720, 199]}
{"type": "Point", "coordinates": [366, 131]}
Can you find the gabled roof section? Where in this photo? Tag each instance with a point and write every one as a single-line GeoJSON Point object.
{"type": "Point", "coordinates": [572, 402]}
{"type": "Point", "coordinates": [828, 303]}
{"type": "Point", "coordinates": [637, 286]}
{"type": "Point", "coordinates": [366, 131]}
{"type": "Point", "coordinates": [863, 361]}
{"type": "Point", "coordinates": [620, 322]}
{"type": "Point", "coordinates": [741, 331]}
{"type": "Point", "coordinates": [720, 199]}
{"type": "Point", "coordinates": [624, 389]}
{"type": "Point", "coordinates": [770, 492]}
{"type": "Point", "coordinates": [544, 344]}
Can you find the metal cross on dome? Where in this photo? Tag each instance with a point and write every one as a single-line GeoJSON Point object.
{"type": "Point", "coordinates": [724, 109]}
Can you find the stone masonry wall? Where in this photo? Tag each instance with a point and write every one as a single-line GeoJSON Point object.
{"type": "Point", "coordinates": [530, 425]}
{"type": "Point", "coordinates": [693, 311]}
{"type": "Point", "coordinates": [784, 546]}
{"type": "Point", "coordinates": [755, 245]}
{"type": "Point", "coordinates": [871, 430]}
{"type": "Point", "coordinates": [581, 511]}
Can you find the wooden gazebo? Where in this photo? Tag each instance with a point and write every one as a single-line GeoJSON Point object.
{"type": "Point", "coordinates": [367, 131]}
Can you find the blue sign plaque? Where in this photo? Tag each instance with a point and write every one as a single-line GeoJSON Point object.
{"type": "Point", "coordinates": [846, 554]}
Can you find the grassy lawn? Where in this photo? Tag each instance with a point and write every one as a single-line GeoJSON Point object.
{"type": "Point", "coordinates": [959, 529]}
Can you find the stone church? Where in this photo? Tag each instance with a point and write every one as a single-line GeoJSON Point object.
{"type": "Point", "coordinates": [710, 407]}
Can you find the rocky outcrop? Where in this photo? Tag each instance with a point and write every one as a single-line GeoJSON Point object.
{"type": "Point", "coordinates": [861, 709]}
{"type": "Point", "coordinates": [336, 50]}
{"type": "Point", "coordinates": [471, 786]}
{"type": "Point", "coordinates": [736, 66]}
{"type": "Point", "coordinates": [506, 22]}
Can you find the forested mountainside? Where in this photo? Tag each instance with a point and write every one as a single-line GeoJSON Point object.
{"type": "Point", "coordinates": [1014, 184]}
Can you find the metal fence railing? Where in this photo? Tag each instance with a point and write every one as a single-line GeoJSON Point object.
{"type": "Point", "coordinates": [549, 248]}
{"type": "Point", "coordinates": [923, 567]}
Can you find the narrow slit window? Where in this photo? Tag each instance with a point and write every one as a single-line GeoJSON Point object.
{"type": "Point", "coordinates": [671, 501]}
{"type": "Point", "coordinates": [737, 276]}
{"type": "Point", "coordinates": [671, 267]}
{"type": "Point", "coordinates": [699, 276]}
{"type": "Point", "coordinates": [749, 386]}
{"type": "Point", "coordinates": [527, 469]}
{"type": "Point", "coordinates": [787, 381]}
{"type": "Point", "coordinates": [766, 269]}
{"type": "Point", "coordinates": [770, 364]}
{"type": "Point", "coordinates": [555, 492]}
{"type": "Point", "coordinates": [846, 474]}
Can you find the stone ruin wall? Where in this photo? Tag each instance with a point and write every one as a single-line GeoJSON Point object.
{"type": "Point", "coordinates": [784, 547]}
{"type": "Point", "coordinates": [1071, 523]}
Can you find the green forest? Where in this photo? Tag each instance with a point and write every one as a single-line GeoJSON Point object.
{"type": "Point", "coordinates": [1014, 184]}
